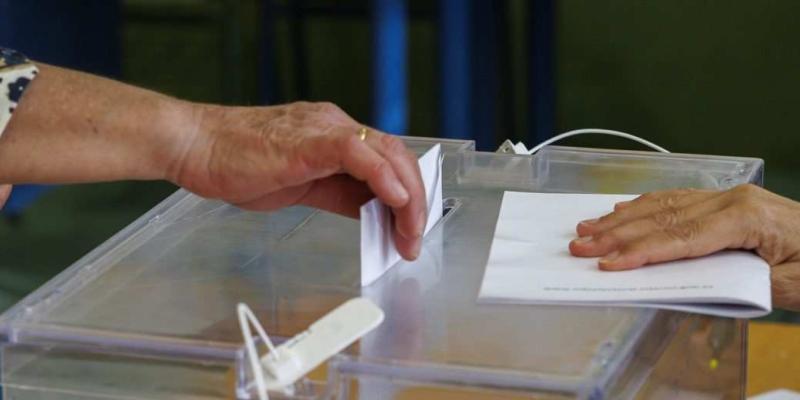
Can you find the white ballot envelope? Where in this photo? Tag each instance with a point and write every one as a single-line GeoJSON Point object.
{"type": "Point", "coordinates": [378, 252]}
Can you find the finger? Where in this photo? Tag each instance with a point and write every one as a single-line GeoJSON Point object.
{"type": "Point", "coordinates": [340, 194]}
{"type": "Point", "coordinates": [345, 195]}
{"type": "Point", "coordinates": [604, 242]}
{"type": "Point", "coordinates": [285, 197]}
{"type": "Point", "coordinates": [694, 238]}
{"type": "Point", "coordinates": [408, 248]}
{"type": "Point", "coordinates": [647, 204]}
{"type": "Point", "coordinates": [785, 281]}
{"type": "Point", "coordinates": [365, 164]}
{"type": "Point", "coordinates": [409, 220]}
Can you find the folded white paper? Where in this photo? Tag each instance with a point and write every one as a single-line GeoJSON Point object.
{"type": "Point", "coordinates": [378, 252]}
{"type": "Point", "coordinates": [529, 262]}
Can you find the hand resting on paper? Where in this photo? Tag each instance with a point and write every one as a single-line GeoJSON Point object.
{"type": "Point", "coordinates": [674, 224]}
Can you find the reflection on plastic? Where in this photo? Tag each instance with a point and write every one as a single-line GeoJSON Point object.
{"type": "Point", "coordinates": [402, 293]}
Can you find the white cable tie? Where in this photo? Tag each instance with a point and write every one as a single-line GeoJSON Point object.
{"type": "Point", "coordinates": [598, 131]}
{"type": "Point", "coordinates": [246, 317]}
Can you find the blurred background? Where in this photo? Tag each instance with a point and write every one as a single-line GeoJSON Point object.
{"type": "Point", "coordinates": [709, 77]}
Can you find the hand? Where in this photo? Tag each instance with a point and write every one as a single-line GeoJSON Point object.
{"type": "Point", "coordinates": [264, 158]}
{"type": "Point", "coordinates": [5, 193]}
{"type": "Point", "coordinates": [669, 225]}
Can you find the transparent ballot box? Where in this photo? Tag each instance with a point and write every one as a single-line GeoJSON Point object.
{"type": "Point", "coordinates": [151, 313]}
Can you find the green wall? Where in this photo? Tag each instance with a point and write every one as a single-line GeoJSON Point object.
{"type": "Point", "coordinates": [716, 77]}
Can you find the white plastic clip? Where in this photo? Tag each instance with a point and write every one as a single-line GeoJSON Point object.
{"type": "Point", "coordinates": [299, 355]}
{"type": "Point", "coordinates": [510, 147]}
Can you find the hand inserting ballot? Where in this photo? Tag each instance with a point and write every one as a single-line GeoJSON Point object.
{"type": "Point", "coordinates": [71, 127]}
{"type": "Point", "coordinates": [264, 158]}
{"type": "Point", "coordinates": [663, 226]}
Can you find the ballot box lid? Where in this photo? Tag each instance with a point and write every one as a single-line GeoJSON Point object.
{"type": "Point", "coordinates": [151, 312]}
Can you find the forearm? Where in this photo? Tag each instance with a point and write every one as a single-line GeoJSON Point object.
{"type": "Point", "coordinates": [75, 127]}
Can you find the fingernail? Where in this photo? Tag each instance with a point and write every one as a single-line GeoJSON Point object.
{"type": "Point", "coordinates": [583, 240]}
{"type": "Point", "coordinates": [416, 249]}
{"type": "Point", "coordinates": [609, 258]}
{"type": "Point", "coordinates": [422, 220]}
{"type": "Point", "coordinates": [589, 221]}
{"type": "Point", "coordinates": [399, 191]}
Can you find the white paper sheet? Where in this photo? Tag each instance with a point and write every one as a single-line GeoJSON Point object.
{"type": "Point", "coordinates": [779, 394]}
{"type": "Point", "coordinates": [530, 262]}
{"type": "Point", "coordinates": [378, 252]}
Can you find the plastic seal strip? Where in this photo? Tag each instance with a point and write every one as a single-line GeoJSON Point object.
{"type": "Point", "coordinates": [281, 367]}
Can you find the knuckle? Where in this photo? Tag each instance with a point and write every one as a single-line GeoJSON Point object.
{"type": "Point", "coordinates": [611, 217]}
{"type": "Point", "coordinates": [327, 106]}
{"type": "Point", "coordinates": [638, 251]}
{"type": "Point", "coordinates": [278, 111]}
{"type": "Point", "coordinates": [347, 144]}
{"type": "Point", "coordinates": [608, 237]}
{"type": "Point", "coordinates": [669, 202]}
{"type": "Point", "coordinates": [393, 144]}
{"type": "Point", "coordinates": [647, 196]}
{"type": "Point", "coordinates": [298, 109]}
{"type": "Point", "coordinates": [300, 105]}
{"type": "Point", "coordinates": [668, 218]}
{"type": "Point", "coordinates": [746, 190]}
{"type": "Point", "coordinates": [411, 157]}
{"type": "Point", "coordinates": [380, 169]}
{"type": "Point", "coordinates": [686, 232]}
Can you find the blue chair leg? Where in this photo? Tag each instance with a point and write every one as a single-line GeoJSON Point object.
{"type": "Point", "coordinates": [269, 84]}
{"type": "Point", "coordinates": [486, 44]}
{"type": "Point", "coordinates": [389, 68]}
{"type": "Point", "coordinates": [22, 196]}
{"type": "Point", "coordinates": [542, 79]}
{"type": "Point", "coordinates": [455, 93]}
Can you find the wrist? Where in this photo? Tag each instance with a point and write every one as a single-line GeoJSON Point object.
{"type": "Point", "coordinates": [178, 129]}
{"type": "Point", "coordinates": [189, 143]}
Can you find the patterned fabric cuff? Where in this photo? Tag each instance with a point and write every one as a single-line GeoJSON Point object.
{"type": "Point", "coordinates": [16, 72]}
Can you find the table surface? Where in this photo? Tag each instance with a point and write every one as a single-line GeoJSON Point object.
{"type": "Point", "coordinates": [773, 357]}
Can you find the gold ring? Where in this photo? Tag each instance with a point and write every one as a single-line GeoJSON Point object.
{"type": "Point", "coordinates": [362, 133]}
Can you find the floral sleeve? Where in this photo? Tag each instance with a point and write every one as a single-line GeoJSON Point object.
{"type": "Point", "coordinates": [16, 72]}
